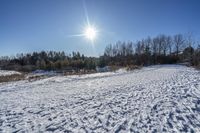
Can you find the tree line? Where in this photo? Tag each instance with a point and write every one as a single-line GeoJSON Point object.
{"type": "Point", "coordinates": [162, 49]}
{"type": "Point", "coordinates": [48, 60]}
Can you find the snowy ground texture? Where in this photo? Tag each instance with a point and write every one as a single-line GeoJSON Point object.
{"type": "Point", "coordinates": [8, 73]}
{"type": "Point", "coordinates": [153, 99]}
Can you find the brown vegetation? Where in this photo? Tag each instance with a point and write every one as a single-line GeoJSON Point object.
{"type": "Point", "coordinates": [14, 77]}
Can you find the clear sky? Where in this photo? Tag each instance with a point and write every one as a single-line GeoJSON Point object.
{"type": "Point", "coordinates": [35, 25]}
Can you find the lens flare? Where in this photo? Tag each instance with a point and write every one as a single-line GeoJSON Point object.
{"type": "Point", "coordinates": [90, 33]}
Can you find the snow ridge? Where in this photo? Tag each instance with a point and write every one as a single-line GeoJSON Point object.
{"type": "Point", "coordinates": [8, 73]}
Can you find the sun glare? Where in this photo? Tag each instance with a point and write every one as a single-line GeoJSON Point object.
{"type": "Point", "coordinates": [90, 33]}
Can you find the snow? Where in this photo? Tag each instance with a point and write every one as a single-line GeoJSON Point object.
{"type": "Point", "coordinates": [8, 73]}
{"type": "Point", "coordinates": [153, 99]}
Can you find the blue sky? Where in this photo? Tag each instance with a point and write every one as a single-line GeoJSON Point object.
{"type": "Point", "coordinates": [35, 25]}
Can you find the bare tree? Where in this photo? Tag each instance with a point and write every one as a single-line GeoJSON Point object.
{"type": "Point", "coordinates": [123, 49]}
{"type": "Point", "coordinates": [139, 47]}
{"type": "Point", "coordinates": [117, 48]}
{"type": "Point", "coordinates": [164, 44]}
{"type": "Point", "coordinates": [148, 43]}
{"type": "Point", "coordinates": [108, 50]}
{"type": "Point", "coordinates": [129, 48]}
{"type": "Point", "coordinates": [189, 39]}
{"type": "Point", "coordinates": [160, 40]}
{"type": "Point", "coordinates": [169, 43]}
{"type": "Point", "coordinates": [154, 46]}
{"type": "Point", "coordinates": [179, 43]}
{"type": "Point", "coordinates": [190, 42]}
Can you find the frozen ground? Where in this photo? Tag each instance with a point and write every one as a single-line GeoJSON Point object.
{"type": "Point", "coordinates": [153, 99]}
{"type": "Point", "coordinates": [8, 73]}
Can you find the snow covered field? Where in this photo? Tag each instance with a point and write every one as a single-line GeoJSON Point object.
{"type": "Point", "coordinates": [153, 99]}
{"type": "Point", "coordinates": [8, 73]}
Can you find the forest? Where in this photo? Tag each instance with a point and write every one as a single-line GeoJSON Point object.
{"type": "Point", "coordinates": [162, 49]}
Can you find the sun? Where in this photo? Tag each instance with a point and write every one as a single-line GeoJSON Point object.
{"type": "Point", "coordinates": [90, 33]}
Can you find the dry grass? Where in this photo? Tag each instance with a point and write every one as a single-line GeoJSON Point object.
{"type": "Point", "coordinates": [132, 67]}
{"type": "Point", "coordinates": [14, 77]}
{"type": "Point", "coordinates": [36, 77]}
